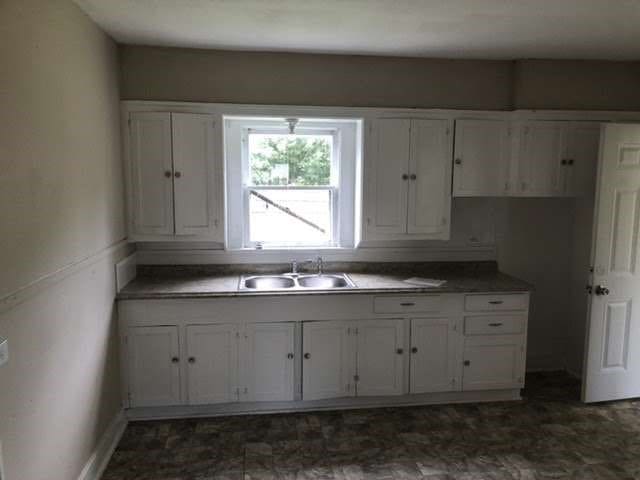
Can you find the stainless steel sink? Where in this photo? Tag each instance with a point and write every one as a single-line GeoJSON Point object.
{"type": "Point", "coordinates": [323, 281]}
{"type": "Point", "coordinates": [295, 282]}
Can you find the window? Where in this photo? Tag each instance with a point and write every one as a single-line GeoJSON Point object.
{"type": "Point", "coordinates": [291, 182]}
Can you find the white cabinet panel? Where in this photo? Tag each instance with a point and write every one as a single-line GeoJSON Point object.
{"type": "Point", "coordinates": [540, 159]}
{"type": "Point", "coordinates": [492, 363]}
{"type": "Point", "coordinates": [193, 174]}
{"type": "Point", "coordinates": [328, 365]}
{"type": "Point", "coordinates": [212, 363]}
{"type": "Point", "coordinates": [151, 173]}
{"type": "Point", "coordinates": [482, 151]}
{"type": "Point", "coordinates": [429, 201]}
{"type": "Point", "coordinates": [267, 359]}
{"type": "Point", "coordinates": [380, 358]}
{"type": "Point", "coordinates": [388, 190]}
{"type": "Point", "coordinates": [582, 146]}
{"type": "Point", "coordinates": [154, 366]}
{"type": "Point", "coordinates": [434, 355]}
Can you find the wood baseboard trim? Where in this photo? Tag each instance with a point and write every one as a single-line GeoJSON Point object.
{"type": "Point", "coordinates": [99, 459]}
{"type": "Point", "coordinates": [257, 408]}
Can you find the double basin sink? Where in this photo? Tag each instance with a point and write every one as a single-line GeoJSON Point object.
{"type": "Point", "coordinates": [295, 282]}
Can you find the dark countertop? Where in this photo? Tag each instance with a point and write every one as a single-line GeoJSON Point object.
{"type": "Point", "coordinates": [204, 282]}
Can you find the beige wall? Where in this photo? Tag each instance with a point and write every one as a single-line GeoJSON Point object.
{"type": "Point", "coordinates": [153, 73]}
{"type": "Point", "coordinates": [61, 201]}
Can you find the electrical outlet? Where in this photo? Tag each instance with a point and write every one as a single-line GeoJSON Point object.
{"type": "Point", "coordinates": [4, 354]}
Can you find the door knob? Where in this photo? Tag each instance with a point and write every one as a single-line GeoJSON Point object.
{"type": "Point", "coordinates": [600, 290]}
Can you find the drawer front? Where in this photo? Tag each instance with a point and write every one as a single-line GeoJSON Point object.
{"type": "Point", "coordinates": [407, 304]}
{"type": "Point", "coordinates": [494, 324]}
{"type": "Point", "coordinates": [490, 303]}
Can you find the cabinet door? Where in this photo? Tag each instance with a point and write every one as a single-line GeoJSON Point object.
{"type": "Point", "coordinates": [212, 363]}
{"type": "Point", "coordinates": [193, 157]}
{"type": "Point", "coordinates": [481, 157]}
{"type": "Point", "coordinates": [380, 358]}
{"type": "Point", "coordinates": [539, 159]}
{"type": "Point", "coordinates": [493, 363]}
{"type": "Point", "coordinates": [267, 360]}
{"type": "Point", "coordinates": [429, 207]}
{"type": "Point", "coordinates": [434, 355]}
{"type": "Point", "coordinates": [582, 147]}
{"type": "Point", "coordinates": [389, 179]}
{"type": "Point", "coordinates": [154, 366]}
{"type": "Point", "coordinates": [328, 364]}
{"type": "Point", "coordinates": [151, 173]}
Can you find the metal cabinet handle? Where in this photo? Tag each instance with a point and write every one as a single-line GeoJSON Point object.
{"type": "Point", "coordinates": [175, 360]}
{"type": "Point", "coordinates": [458, 161]}
{"type": "Point", "coordinates": [601, 290]}
{"type": "Point", "coordinates": [496, 302]}
{"type": "Point", "coordinates": [399, 351]}
{"type": "Point", "coordinates": [307, 356]}
{"type": "Point", "coordinates": [405, 176]}
{"type": "Point", "coordinates": [413, 176]}
{"type": "Point", "coordinates": [167, 173]}
{"type": "Point", "coordinates": [407, 304]}
{"type": "Point", "coordinates": [414, 350]}
{"type": "Point", "coordinates": [177, 174]}
{"type": "Point", "coordinates": [496, 324]}
{"type": "Point", "coordinates": [289, 356]}
{"type": "Point", "coordinates": [192, 360]}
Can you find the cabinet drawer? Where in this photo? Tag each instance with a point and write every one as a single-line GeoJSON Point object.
{"type": "Point", "coordinates": [489, 303]}
{"type": "Point", "coordinates": [494, 325]}
{"type": "Point", "coordinates": [407, 304]}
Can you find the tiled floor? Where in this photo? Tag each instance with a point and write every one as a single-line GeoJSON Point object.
{"type": "Point", "coordinates": [548, 435]}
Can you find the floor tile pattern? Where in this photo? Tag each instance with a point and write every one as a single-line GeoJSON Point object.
{"type": "Point", "coordinates": [548, 435]}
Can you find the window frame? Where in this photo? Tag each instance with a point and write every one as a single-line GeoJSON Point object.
{"type": "Point", "coordinates": [344, 162]}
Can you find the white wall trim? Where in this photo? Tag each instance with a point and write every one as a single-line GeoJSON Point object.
{"type": "Point", "coordinates": [26, 292]}
{"type": "Point", "coordinates": [99, 459]}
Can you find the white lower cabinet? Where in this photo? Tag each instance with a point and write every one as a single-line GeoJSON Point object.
{"type": "Point", "coordinates": [154, 366]}
{"type": "Point", "coordinates": [493, 362]}
{"type": "Point", "coordinates": [212, 363]}
{"type": "Point", "coordinates": [267, 356]}
{"type": "Point", "coordinates": [434, 355]}
{"type": "Point", "coordinates": [352, 358]}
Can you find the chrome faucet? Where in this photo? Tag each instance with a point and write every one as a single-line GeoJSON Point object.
{"type": "Point", "coordinates": [295, 264]}
{"type": "Point", "coordinates": [320, 264]}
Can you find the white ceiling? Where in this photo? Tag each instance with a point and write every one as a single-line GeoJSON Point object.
{"type": "Point", "coordinates": [498, 29]}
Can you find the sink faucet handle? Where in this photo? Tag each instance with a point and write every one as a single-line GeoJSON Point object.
{"type": "Point", "coordinates": [320, 264]}
{"type": "Point", "coordinates": [294, 266]}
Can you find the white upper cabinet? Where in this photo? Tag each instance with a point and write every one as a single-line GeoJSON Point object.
{"type": "Point", "coordinates": [481, 158]}
{"type": "Point", "coordinates": [151, 177]}
{"type": "Point", "coordinates": [172, 180]}
{"type": "Point", "coordinates": [409, 180]}
{"type": "Point", "coordinates": [582, 147]}
{"type": "Point", "coordinates": [539, 159]}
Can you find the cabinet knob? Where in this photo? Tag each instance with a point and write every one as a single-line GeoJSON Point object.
{"type": "Point", "coordinates": [467, 363]}
{"type": "Point", "coordinates": [289, 356]}
{"type": "Point", "coordinates": [399, 351]}
{"type": "Point", "coordinates": [405, 176]}
{"type": "Point", "coordinates": [458, 161]}
{"type": "Point", "coordinates": [570, 161]}
{"type": "Point", "coordinates": [413, 176]}
{"type": "Point", "coordinates": [307, 356]}
{"type": "Point", "coordinates": [177, 174]}
{"type": "Point", "coordinates": [563, 162]}
{"type": "Point", "coordinates": [167, 173]}
{"type": "Point", "coordinates": [175, 360]}
{"type": "Point", "coordinates": [192, 360]}
{"type": "Point", "coordinates": [414, 350]}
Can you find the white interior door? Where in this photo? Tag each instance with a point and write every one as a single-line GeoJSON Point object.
{"type": "Point", "coordinates": [193, 158]}
{"type": "Point", "coordinates": [389, 179]}
{"type": "Point", "coordinates": [613, 334]}
{"type": "Point", "coordinates": [434, 355]}
{"type": "Point", "coordinates": [212, 373]}
{"type": "Point", "coordinates": [151, 174]}
{"type": "Point", "coordinates": [154, 366]}
{"type": "Point", "coordinates": [328, 364]}
{"type": "Point", "coordinates": [380, 359]}
{"type": "Point", "coordinates": [429, 204]}
{"type": "Point", "coordinates": [267, 362]}
{"type": "Point", "coordinates": [481, 158]}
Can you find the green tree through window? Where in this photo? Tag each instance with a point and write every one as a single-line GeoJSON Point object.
{"type": "Point", "coordinates": [308, 159]}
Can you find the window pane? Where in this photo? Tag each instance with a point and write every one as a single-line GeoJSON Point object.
{"type": "Point", "coordinates": [280, 159]}
{"type": "Point", "coordinates": [290, 216]}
